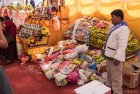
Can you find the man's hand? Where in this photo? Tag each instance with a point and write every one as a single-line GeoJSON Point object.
{"type": "Point", "coordinates": [116, 62]}
{"type": "Point", "coordinates": [3, 41]}
{"type": "Point", "coordinates": [1, 26]}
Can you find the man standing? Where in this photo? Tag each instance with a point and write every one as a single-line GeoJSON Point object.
{"type": "Point", "coordinates": [115, 47]}
{"type": "Point", "coordinates": [10, 32]}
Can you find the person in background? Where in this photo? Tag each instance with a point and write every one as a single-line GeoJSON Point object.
{"type": "Point", "coordinates": [9, 24]}
{"type": "Point", "coordinates": [5, 87]}
{"type": "Point", "coordinates": [114, 50]}
{"type": "Point", "coordinates": [32, 3]}
{"type": "Point", "coordinates": [10, 31]}
{"type": "Point", "coordinates": [5, 12]}
{"type": "Point", "coordinates": [2, 51]}
{"type": "Point", "coordinates": [3, 41]}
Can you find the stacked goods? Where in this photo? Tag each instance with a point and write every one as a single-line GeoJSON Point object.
{"type": "Point", "coordinates": [33, 33]}
{"type": "Point", "coordinates": [88, 29]}
{"type": "Point", "coordinates": [33, 38]}
{"type": "Point", "coordinates": [98, 36]}
{"type": "Point", "coordinates": [80, 30]}
{"type": "Point", "coordinates": [68, 33]}
{"type": "Point", "coordinates": [27, 31]}
{"type": "Point", "coordinates": [72, 63]}
{"type": "Point", "coordinates": [96, 54]}
{"type": "Point", "coordinates": [98, 33]}
{"type": "Point", "coordinates": [133, 45]}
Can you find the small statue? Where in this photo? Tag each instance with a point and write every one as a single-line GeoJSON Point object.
{"type": "Point", "coordinates": [62, 2]}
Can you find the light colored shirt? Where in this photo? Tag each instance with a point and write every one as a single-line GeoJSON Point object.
{"type": "Point", "coordinates": [117, 43]}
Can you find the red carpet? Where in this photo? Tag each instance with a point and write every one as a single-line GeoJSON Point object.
{"type": "Point", "coordinates": [29, 79]}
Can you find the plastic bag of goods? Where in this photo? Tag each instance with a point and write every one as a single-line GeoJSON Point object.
{"type": "Point", "coordinates": [82, 75]}
{"type": "Point", "coordinates": [55, 65]}
{"type": "Point", "coordinates": [51, 57]}
{"type": "Point", "coordinates": [70, 56]}
{"type": "Point", "coordinates": [46, 67]}
{"type": "Point", "coordinates": [50, 73]}
{"type": "Point", "coordinates": [88, 72]}
{"type": "Point", "coordinates": [63, 64]}
{"type": "Point", "coordinates": [73, 77]}
{"type": "Point", "coordinates": [84, 65]}
{"type": "Point", "coordinates": [67, 69]}
{"type": "Point", "coordinates": [60, 79]}
{"type": "Point", "coordinates": [68, 51]}
{"type": "Point", "coordinates": [81, 48]}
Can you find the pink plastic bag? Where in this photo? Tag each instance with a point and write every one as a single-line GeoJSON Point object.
{"type": "Point", "coordinates": [63, 64]}
{"type": "Point", "coordinates": [73, 77]}
{"type": "Point", "coordinates": [51, 57]}
{"type": "Point", "coordinates": [68, 51]}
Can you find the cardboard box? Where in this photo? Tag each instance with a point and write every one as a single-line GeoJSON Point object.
{"type": "Point", "coordinates": [94, 87]}
{"type": "Point", "coordinates": [131, 61]}
{"type": "Point", "coordinates": [130, 76]}
{"type": "Point", "coordinates": [136, 67]}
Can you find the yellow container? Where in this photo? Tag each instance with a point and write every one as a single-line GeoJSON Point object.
{"type": "Point", "coordinates": [36, 50]}
{"type": "Point", "coordinates": [43, 41]}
